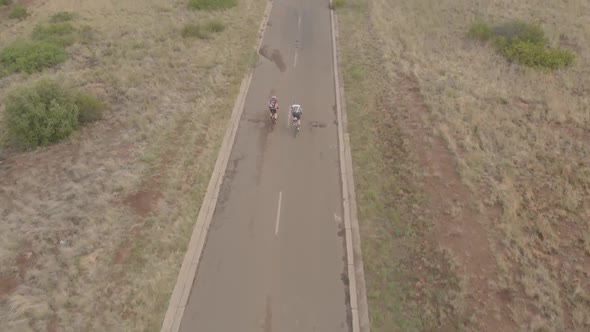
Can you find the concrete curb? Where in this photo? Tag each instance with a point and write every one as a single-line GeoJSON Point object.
{"type": "Point", "coordinates": [188, 270]}
{"type": "Point", "coordinates": [354, 257]}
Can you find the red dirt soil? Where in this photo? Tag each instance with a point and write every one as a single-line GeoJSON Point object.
{"type": "Point", "coordinates": [464, 234]}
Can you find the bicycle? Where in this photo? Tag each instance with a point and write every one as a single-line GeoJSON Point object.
{"type": "Point", "coordinates": [296, 114]}
{"type": "Point", "coordinates": [295, 127]}
{"type": "Point", "coordinates": [273, 119]}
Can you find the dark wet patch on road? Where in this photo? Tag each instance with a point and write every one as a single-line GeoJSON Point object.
{"type": "Point", "coordinates": [341, 231]}
{"type": "Point", "coordinates": [268, 316]}
{"type": "Point", "coordinates": [275, 56]}
{"type": "Point", "coordinates": [225, 189]}
{"type": "Point", "coordinates": [262, 141]}
{"type": "Point", "coordinates": [317, 124]}
{"type": "Point", "coordinates": [254, 120]}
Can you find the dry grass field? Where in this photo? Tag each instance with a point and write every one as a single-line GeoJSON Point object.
{"type": "Point", "coordinates": [472, 174]}
{"type": "Point", "coordinates": [94, 228]}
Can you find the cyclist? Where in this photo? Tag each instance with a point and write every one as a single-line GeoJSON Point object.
{"type": "Point", "coordinates": [273, 106]}
{"type": "Point", "coordinates": [297, 112]}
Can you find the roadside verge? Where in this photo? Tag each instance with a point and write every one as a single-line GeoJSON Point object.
{"type": "Point", "coordinates": [354, 257]}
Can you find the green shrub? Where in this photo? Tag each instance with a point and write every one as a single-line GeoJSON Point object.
{"type": "Point", "coordinates": [62, 17]}
{"type": "Point", "coordinates": [90, 108]}
{"type": "Point", "coordinates": [5, 2]}
{"type": "Point", "coordinates": [18, 12]}
{"type": "Point", "coordinates": [40, 115]}
{"type": "Point", "coordinates": [30, 56]}
{"type": "Point", "coordinates": [522, 43]}
{"type": "Point", "coordinates": [57, 33]}
{"type": "Point", "coordinates": [212, 4]}
{"type": "Point", "coordinates": [536, 55]}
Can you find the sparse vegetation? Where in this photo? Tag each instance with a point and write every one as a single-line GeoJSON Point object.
{"type": "Point", "coordinates": [5, 2]}
{"type": "Point", "coordinates": [40, 115]}
{"type": "Point", "coordinates": [522, 43]}
{"type": "Point", "coordinates": [30, 56]}
{"type": "Point", "coordinates": [18, 12]}
{"type": "Point", "coordinates": [86, 34]}
{"type": "Point", "coordinates": [212, 4]}
{"type": "Point", "coordinates": [470, 156]}
{"type": "Point", "coordinates": [86, 218]}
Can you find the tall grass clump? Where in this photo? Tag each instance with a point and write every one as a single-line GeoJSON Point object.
{"type": "Point", "coordinates": [62, 17]}
{"type": "Point", "coordinates": [63, 34]}
{"type": "Point", "coordinates": [212, 4]}
{"type": "Point", "coordinates": [523, 43]}
{"type": "Point", "coordinates": [30, 56]}
{"type": "Point", "coordinates": [18, 12]}
{"type": "Point", "coordinates": [194, 30]}
{"type": "Point", "coordinates": [336, 4]}
{"type": "Point", "coordinates": [203, 31]}
{"type": "Point", "coordinates": [214, 26]}
{"type": "Point", "coordinates": [90, 108]}
{"type": "Point", "coordinates": [40, 114]}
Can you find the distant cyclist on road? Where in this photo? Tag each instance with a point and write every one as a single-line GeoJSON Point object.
{"type": "Point", "coordinates": [273, 106]}
{"type": "Point", "coordinates": [297, 112]}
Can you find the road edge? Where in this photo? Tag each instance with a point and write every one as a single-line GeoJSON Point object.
{"type": "Point", "coordinates": [354, 257]}
{"type": "Point", "coordinates": [188, 270]}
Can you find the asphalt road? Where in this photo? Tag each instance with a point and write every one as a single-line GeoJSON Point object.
{"type": "Point", "coordinates": [274, 259]}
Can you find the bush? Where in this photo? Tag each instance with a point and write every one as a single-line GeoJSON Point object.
{"type": "Point", "coordinates": [536, 55]}
{"type": "Point", "coordinates": [522, 43]}
{"type": "Point", "coordinates": [18, 12]}
{"type": "Point", "coordinates": [212, 4]}
{"type": "Point", "coordinates": [30, 56]}
{"type": "Point", "coordinates": [40, 115]}
{"type": "Point", "coordinates": [62, 17]}
{"type": "Point", "coordinates": [5, 2]}
{"type": "Point", "coordinates": [90, 108]}
{"type": "Point", "coordinates": [57, 33]}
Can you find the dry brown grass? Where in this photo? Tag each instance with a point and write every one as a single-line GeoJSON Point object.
{"type": "Point", "coordinates": [82, 246]}
{"type": "Point", "coordinates": [517, 139]}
